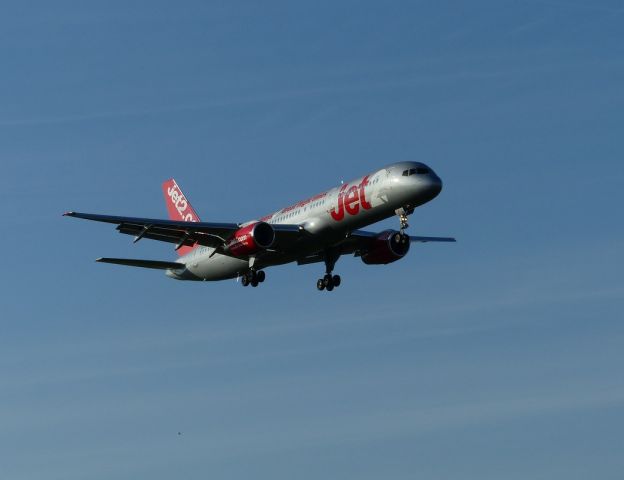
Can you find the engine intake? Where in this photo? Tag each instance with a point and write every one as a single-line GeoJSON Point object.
{"type": "Point", "coordinates": [251, 239]}
{"type": "Point", "coordinates": [388, 247]}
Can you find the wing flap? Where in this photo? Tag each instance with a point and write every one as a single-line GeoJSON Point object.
{"type": "Point", "coordinates": [189, 238]}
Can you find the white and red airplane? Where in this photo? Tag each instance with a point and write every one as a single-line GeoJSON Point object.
{"type": "Point", "coordinates": [319, 229]}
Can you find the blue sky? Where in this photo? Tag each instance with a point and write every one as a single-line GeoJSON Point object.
{"type": "Point", "coordinates": [499, 356]}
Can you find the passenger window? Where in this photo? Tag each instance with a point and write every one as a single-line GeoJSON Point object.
{"type": "Point", "coordinates": [406, 173]}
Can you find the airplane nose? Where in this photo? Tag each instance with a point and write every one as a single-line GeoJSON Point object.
{"type": "Point", "coordinates": [434, 185]}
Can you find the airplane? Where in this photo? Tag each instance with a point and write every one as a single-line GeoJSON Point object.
{"type": "Point", "coordinates": [319, 229]}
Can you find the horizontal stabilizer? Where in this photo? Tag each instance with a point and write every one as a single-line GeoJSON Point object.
{"type": "Point", "coordinates": [131, 262]}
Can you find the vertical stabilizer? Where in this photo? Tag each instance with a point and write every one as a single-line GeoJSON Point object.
{"type": "Point", "coordinates": [178, 207]}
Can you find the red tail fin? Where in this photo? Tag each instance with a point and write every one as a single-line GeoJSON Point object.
{"type": "Point", "coordinates": [179, 207]}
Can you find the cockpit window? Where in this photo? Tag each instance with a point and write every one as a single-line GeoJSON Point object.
{"type": "Point", "coordinates": [416, 171]}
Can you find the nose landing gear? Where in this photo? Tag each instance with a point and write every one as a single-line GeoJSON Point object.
{"type": "Point", "coordinates": [403, 212]}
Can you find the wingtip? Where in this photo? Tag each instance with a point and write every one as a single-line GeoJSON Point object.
{"type": "Point", "coordinates": [69, 214]}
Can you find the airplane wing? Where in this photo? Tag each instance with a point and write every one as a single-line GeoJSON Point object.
{"type": "Point", "coordinates": [362, 236]}
{"type": "Point", "coordinates": [359, 241]}
{"type": "Point", "coordinates": [181, 233]}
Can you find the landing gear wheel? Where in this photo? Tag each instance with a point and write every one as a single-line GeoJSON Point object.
{"type": "Point", "coordinates": [329, 281]}
{"type": "Point", "coordinates": [252, 278]}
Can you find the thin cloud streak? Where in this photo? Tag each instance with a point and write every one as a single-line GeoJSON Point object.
{"type": "Point", "coordinates": [415, 79]}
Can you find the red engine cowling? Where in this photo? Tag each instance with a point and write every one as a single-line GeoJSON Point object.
{"type": "Point", "coordinates": [251, 239]}
{"type": "Point", "coordinates": [388, 247]}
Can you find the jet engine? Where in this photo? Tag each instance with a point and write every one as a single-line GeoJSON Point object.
{"type": "Point", "coordinates": [251, 239]}
{"type": "Point", "coordinates": [388, 247]}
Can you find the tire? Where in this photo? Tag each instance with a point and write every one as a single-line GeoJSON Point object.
{"type": "Point", "coordinates": [245, 280]}
{"type": "Point", "coordinates": [336, 280]}
{"type": "Point", "coordinates": [320, 284]}
{"type": "Point", "coordinates": [254, 282]}
{"type": "Point", "coordinates": [260, 276]}
{"type": "Point", "coordinates": [330, 287]}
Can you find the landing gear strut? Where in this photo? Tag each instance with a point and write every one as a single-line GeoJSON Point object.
{"type": "Point", "coordinates": [403, 212]}
{"type": "Point", "coordinates": [329, 281]}
{"type": "Point", "coordinates": [253, 278]}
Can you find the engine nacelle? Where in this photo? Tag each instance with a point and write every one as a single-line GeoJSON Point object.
{"type": "Point", "coordinates": [251, 239]}
{"type": "Point", "coordinates": [388, 247]}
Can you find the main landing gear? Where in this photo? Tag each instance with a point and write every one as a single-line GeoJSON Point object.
{"type": "Point", "coordinates": [253, 278]}
{"type": "Point", "coordinates": [329, 281]}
